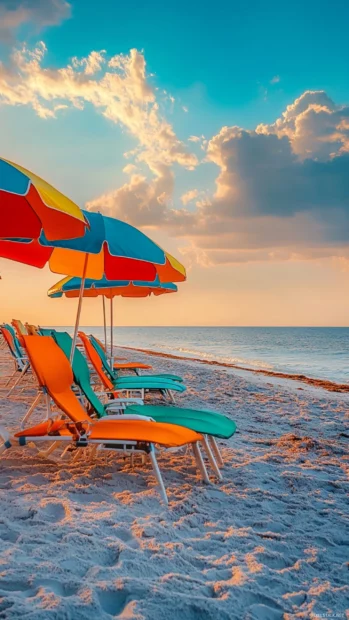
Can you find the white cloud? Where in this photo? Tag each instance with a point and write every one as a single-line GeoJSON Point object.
{"type": "Point", "coordinates": [129, 169]}
{"type": "Point", "coordinates": [281, 190]}
{"type": "Point", "coordinates": [314, 124]}
{"type": "Point", "coordinates": [189, 196]}
{"type": "Point", "coordinates": [41, 13]}
{"type": "Point", "coordinates": [91, 64]}
{"type": "Point", "coordinates": [121, 93]}
{"type": "Point", "coordinates": [271, 201]}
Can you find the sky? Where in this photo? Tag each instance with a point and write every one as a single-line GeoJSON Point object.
{"type": "Point", "coordinates": [220, 130]}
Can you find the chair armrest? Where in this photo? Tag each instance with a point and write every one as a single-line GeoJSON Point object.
{"type": "Point", "coordinates": [129, 416]}
{"type": "Point", "coordinates": [120, 401]}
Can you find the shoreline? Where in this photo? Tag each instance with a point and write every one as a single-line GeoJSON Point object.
{"type": "Point", "coordinates": [325, 384]}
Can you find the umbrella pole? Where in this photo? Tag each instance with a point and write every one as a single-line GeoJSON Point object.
{"type": "Point", "coordinates": [111, 334]}
{"type": "Point", "coordinates": [105, 325]}
{"type": "Point", "coordinates": [82, 286]}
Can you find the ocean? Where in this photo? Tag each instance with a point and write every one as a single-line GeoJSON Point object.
{"type": "Point", "coordinates": [318, 352]}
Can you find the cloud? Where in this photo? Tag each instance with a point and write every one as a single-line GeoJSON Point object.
{"type": "Point", "coordinates": [41, 13]}
{"type": "Point", "coordinates": [140, 199]}
{"type": "Point", "coordinates": [281, 192]}
{"type": "Point", "coordinates": [316, 127]}
{"type": "Point", "coordinates": [189, 196]}
{"type": "Point", "coordinates": [91, 64]}
{"type": "Point", "coordinates": [281, 189]}
{"type": "Point", "coordinates": [120, 91]}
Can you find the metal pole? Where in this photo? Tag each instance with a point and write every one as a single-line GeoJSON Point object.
{"type": "Point", "coordinates": [79, 309]}
{"type": "Point", "coordinates": [105, 325]}
{"type": "Point", "coordinates": [111, 334]}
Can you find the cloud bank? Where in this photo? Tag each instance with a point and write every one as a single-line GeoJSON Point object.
{"type": "Point", "coordinates": [282, 190]}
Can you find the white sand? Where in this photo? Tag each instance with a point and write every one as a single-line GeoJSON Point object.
{"type": "Point", "coordinates": [94, 541]}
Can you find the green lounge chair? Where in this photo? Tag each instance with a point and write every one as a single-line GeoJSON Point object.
{"type": "Point", "coordinates": [113, 374]}
{"type": "Point", "coordinates": [137, 384]}
{"type": "Point", "coordinates": [205, 422]}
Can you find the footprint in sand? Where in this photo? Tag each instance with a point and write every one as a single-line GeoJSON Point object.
{"type": "Point", "coordinates": [113, 602]}
{"type": "Point", "coordinates": [8, 535]}
{"type": "Point", "coordinates": [126, 536]}
{"type": "Point", "coordinates": [14, 586]}
{"type": "Point", "coordinates": [60, 589]}
{"type": "Point", "coordinates": [52, 511]}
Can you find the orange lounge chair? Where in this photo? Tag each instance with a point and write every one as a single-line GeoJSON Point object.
{"type": "Point", "coordinates": [21, 362]}
{"type": "Point", "coordinates": [136, 434]}
{"type": "Point", "coordinates": [105, 350]}
{"type": "Point", "coordinates": [124, 365]}
{"type": "Point", "coordinates": [131, 385]}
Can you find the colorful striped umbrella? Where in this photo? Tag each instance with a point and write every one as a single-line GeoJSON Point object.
{"type": "Point", "coordinates": [29, 205]}
{"type": "Point", "coordinates": [110, 248]}
{"type": "Point", "coordinates": [70, 287]}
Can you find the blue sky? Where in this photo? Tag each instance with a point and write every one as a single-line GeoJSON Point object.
{"type": "Point", "coordinates": [225, 52]}
{"type": "Point", "coordinates": [236, 201]}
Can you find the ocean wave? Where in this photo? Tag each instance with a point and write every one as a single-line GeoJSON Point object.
{"type": "Point", "coordinates": [220, 358]}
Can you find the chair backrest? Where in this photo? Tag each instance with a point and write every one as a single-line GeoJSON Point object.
{"type": "Point", "coordinates": [13, 341]}
{"type": "Point", "coordinates": [54, 374]}
{"type": "Point", "coordinates": [102, 354]}
{"type": "Point", "coordinates": [9, 341]}
{"type": "Point", "coordinates": [31, 329]}
{"type": "Point", "coordinates": [81, 371]}
{"type": "Point", "coordinates": [19, 329]}
{"type": "Point", "coordinates": [45, 331]}
{"type": "Point", "coordinates": [96, 361]}
{"type": "Point", "coordinates": [101, 344]}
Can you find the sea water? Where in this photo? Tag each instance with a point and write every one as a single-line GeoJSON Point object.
{"type": "Point", "coordinates": [318, 352]}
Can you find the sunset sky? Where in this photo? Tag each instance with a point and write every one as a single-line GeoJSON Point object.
{"type": "Point", "coordinates": [221, 129]}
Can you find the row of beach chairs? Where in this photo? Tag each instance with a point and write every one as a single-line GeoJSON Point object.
{"type": "Point", "coordinates": [93, 406]}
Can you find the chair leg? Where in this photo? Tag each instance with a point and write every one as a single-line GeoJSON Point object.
{"type": "Point", "coordinates": [11, 377]}
{"type": "Point", "coordinates": [211, 458]}
{"type": "Point", "coordinates": [46, 453]}
{"type": "Point", "coordinates": [158, 474]}
{"type": "Point", "coordinates": [31, 409]}
{"type": "Point", "coordinates": [5, 436]}
{"type": "Point", "coordinates": [48, 405]}
{"type": "Point", "coordinates": [200, 463]}
{"type": "Point", "coordinates": [21, 376]}
{"type": "Point", "coordinates": [76, 456]}
{"type": "Point", "coordinates": [216, 451]}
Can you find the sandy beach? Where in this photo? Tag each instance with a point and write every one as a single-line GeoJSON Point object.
{"type": "Point", "coordinates": [93, 540]}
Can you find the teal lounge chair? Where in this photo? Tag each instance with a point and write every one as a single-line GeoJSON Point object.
{"type": "Point", "coordinates": [208, 423]}
{"type": "Point", "coordinates": [137, 384]}
{"type": "Point", "coordinates": [113, 374]}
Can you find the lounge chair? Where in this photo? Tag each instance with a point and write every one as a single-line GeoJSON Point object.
{"type": "Point", "coordinates": [21, 362]}
{"type": "Point", "coordinates": [105, 351]}
{"type": "Point", "coordinates": [112, 372]}
{"type": "Point", "coordinates": [132, 385]}
{"type": "Point", "coordinates": [129, 435]}
{"type": "Point", "coordinates": [32, 330]}
{"type": "Point", "coordinates": [19, 329]}
{"type": "Point", "coordinates": [208, 423]}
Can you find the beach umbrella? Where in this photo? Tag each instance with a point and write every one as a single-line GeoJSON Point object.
{"type": "Point", "coordinates": [28, 205]}
{"type": "Point", "coordinates": [70, 287]}
{"type": "Point", "coordinates": [109, 247]}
